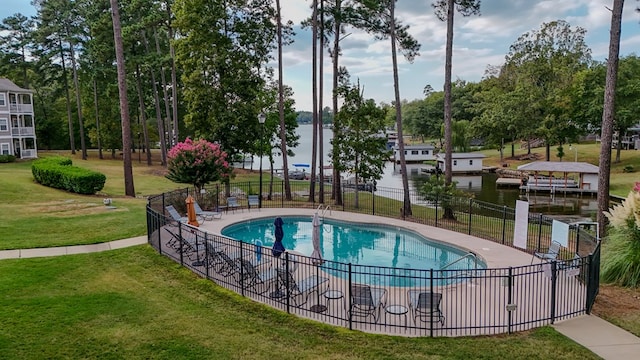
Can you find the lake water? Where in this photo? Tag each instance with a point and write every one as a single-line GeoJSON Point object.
{"type": "Point", "coordinates": [482, 186]}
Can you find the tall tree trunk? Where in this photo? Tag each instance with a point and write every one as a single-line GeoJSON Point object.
{"type": "Point", "coordinates": [161, 128]}
{"type": "Point", "coordinates": [283, 133]}
{"type": "Point", "coordinates": [320, 106]}
{"type": "Point", "coordinates": [547, 150]}
{"type": "Point", "coordinates": [72, 141]}
{"type": "Point", "coordinates": [129, 188]}
{"type": "Point", "coordinates": [143, 115]}
{"type": "Point", "coordinates": [76, 85]}
{"type": "Point", "coordinates": [314, 98]}
{"type": "Point", "coordinates": [95, 106]}
{"type": "Point", "coordinates": [618, 146]}
{"type": "Point", "coordinates": [608, 114]}
{"type": "Point", "coordinates": [174, 78]}
{"type": "Point", "coordinates": [165, 93]}
{"type": "Point", "coordinates": [448, 144]}
{"type": "Point", "coordinates": [156, 100]}
{"type": "Point", "coordinates": [23, 63]}
{"type": "Point", "coordinates": [406, 207]}
{"type": "Point", "coordinates": [43, 106]}
{"type": "Point", "coordinates": [336, 191]}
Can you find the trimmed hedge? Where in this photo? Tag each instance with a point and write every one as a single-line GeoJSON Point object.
{"type": "Point", "coordinates": [58, 172]}
{"type": "Point", "coordinates": [7, 158]}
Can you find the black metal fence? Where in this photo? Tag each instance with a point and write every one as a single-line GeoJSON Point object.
{"type": "Point", "coordinates": [423, 302]}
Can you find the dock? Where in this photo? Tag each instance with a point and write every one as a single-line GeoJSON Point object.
{"type": "Point", "coordinates": [558, 190]}
{"type": "Point", "coordinates": [570, 188]}
{"type": "Point", "coordinates": [508, 182]}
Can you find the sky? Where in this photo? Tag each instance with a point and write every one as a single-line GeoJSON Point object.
{"type": "Point", "coordinates": [479, 41]}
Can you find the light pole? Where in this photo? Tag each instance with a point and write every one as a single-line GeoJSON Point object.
{"type": "Point", "coordinates": [576, 151]}
{"type": "Point", "coordinates": [261, 118]}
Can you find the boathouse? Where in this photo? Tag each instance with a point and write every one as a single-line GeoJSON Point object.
{"type": "Point", "coordinates": [555, 176]}
{"type": "Point", "coordinates": [468, 163]}
{"type": "Point", "coordinates": [415, 153]}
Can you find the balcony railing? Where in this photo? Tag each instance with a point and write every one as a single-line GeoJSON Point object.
{"type": "Point", "coordinates": [23, 131]}
{"type": "Point", "coordinates": [21, 108]}
{"type": "Point", "coordinates": [28, 153]}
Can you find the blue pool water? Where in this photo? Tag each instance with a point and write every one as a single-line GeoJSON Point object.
{"type": "Point", "coordinates": [402, 251]}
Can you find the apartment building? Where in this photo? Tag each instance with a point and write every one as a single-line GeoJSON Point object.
{"type": "Point", "coordinates": [17, 124]}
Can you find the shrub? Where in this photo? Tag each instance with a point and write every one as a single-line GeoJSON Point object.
{"type": "Point", "coordinates": [621, 250]}
{"type": "Point", "coordinates": [58, 172]}
{"type": "Point", "coordinates": [198, 163]}
{"type": "Point", "coordinates": [7, 158]}
{"type": "Point", "coordinates": [628, 169]}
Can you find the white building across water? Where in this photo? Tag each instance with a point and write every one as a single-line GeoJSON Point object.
{"type": "Point", "coordinates": [468, 163]}
{"type": "Point", "coordinates": [415, 153]}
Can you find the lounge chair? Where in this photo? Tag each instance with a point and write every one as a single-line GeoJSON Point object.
{"type": "Point", "coordinates": [252, 277]}
{"type": "Point", "coordinates": [574, 263]}
{"type": "Point", "coordinates": [206, 215]}
{"type": "Point", "coordinates": [214, 261]}
{"type": "Point", "coordinates": [227, 266]}
{"type": "Point", "coordinates": [232, 203]}
{"type": "Point", "coordinates": [425, 306]}
{"type": "Point", "coordinates": [571, 267]}
{"type": "Point", "coordinates": [367, 301]}
{"type": "Point", "coordinates": [186, 242]}
{"type": "Point", "coordinates": [550, 255]}
{"type": "Point", "coordinates": [254, 200]}
{"type": "Point", "coordinates": [291, 261]}
{"type": "Point", "coordinates": [300, 289]}
{"type": "Point", "coordinates": [175, 215]}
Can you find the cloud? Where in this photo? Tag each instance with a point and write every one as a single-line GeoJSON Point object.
{"type": "Point", "coordinates": [478, 42]}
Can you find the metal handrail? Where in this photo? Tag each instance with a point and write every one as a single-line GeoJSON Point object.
{"type": "Point", "coordinates": [470, 254]}
{"type": "Point", "coordinates": [328, 207]}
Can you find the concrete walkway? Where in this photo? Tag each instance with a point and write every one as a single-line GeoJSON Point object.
{"type": "Point", "coordinates": [601, 337]}
{"type": "Point", "coordinates": [69, 250]}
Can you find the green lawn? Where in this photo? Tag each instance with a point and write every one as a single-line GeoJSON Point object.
{"type": "Point", "coordinates": [135, 304]}
{"type": "Point", "coordinates": [39, 216]}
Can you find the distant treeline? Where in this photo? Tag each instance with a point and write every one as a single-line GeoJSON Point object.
{"type": "Point", "coordinates": [306, 117]}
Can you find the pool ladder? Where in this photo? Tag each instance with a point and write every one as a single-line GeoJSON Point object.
{"type": "Point", "coordinates": [328, 207]}
{"type": "Point", "coordinates": [470, 254]}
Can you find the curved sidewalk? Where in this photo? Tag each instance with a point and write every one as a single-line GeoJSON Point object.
{"type": "Point", "coordinates": [599, 336]}
{"type": "Point", "coordinates": [69, 250]}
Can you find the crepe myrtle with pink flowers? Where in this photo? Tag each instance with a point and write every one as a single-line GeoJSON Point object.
{"type": "Point", "coordinates": [197, 162]}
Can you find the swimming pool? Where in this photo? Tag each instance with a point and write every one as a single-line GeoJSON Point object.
{"type": "Point", "coordinates": [342, 242]}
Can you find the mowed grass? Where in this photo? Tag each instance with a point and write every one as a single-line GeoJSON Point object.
{"type": "Point", "coordinates": [38, 216]}
{"type": "Point", "coordinates": [135, 304]}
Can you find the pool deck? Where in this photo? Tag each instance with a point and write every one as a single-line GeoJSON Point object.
{"type": "Point", "coordinates": [493, 254]}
